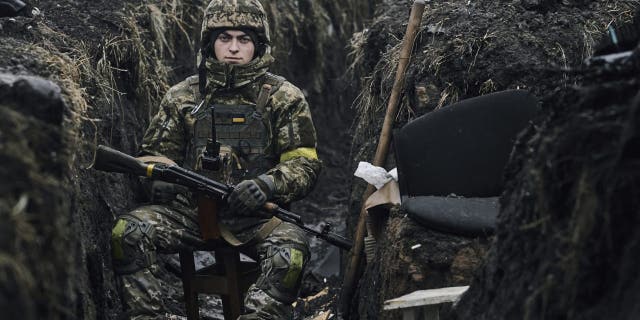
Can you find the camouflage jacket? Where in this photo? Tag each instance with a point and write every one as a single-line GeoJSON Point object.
{"type": "Point", "coordinates": [291, 133]}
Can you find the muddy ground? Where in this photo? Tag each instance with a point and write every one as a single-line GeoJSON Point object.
{"type": "Point", "coordinates": [113, 60]}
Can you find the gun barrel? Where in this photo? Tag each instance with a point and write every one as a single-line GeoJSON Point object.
{"type": "Point", "coordinates": [338, 241]}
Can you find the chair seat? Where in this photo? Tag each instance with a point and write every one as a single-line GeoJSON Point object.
{"type": "Point", "coordinates": [462, 216]}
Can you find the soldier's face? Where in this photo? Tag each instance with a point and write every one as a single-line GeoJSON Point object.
{"type": "Point", "coordinates": [234, 47]}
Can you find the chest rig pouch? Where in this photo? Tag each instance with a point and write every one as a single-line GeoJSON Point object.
{"type": "Point", "coordinates": [243, 132]}
{"type": "Point", "coordinates": [243, 135]}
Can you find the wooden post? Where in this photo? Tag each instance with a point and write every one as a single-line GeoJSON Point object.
{"type": "Point", "coordinates": [190, 295]}
{"type": "Point", "coordinates": [353, 268]}
{"type": "Point", "coordinates": [231, 301]}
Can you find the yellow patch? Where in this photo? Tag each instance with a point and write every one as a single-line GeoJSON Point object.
{"type": "Point", "coordinates": [237, 120]}
{"type": "Point", "coordinates": [150, 170]}
{"type": "Point", "coordinates": [116, 239]}
{"type": "Point", "coordinates": [309, 153]}
{"type": "Point", "coordinates": [295, 268]}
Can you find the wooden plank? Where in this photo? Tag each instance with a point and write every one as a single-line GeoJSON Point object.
{"type": "Point", "coordinates": [425, 297]}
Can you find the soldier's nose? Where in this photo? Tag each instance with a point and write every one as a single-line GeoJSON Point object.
{"type": "Point", "coordinates": [234, 46]}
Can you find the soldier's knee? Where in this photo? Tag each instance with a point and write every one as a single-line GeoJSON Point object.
{"type": "Point", "coordinates": [132, 245]}
{"type": "Point", "coordinates": [282, 267]}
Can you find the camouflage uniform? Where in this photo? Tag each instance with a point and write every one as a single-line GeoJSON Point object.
{"type": "Point", "coordinates": [277, 140]}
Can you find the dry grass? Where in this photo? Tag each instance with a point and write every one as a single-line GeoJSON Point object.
{"type": "Point", "coordinates": [449, 42]}
{"type": "Point", "coordinates": [12, 271]}
{"type": "Point", "coordinates": [170, 14]}
{"type": "Point", "coordinates": [355, 51]}
{"type": "Point", "coordinates": [367, 104]}
{"type": "Point", "coordinates": [487, 87]}
{"type": "Point", "coordinates": [450, 95]}
{"type": "Point", "coordinates": [137, 53]}
{"type": "Point", "coordinates": [306, 27]}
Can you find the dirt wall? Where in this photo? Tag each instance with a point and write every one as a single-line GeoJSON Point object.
{"type": "Point", "coordinates": [34, 217]}
{"type": "Point", "coordinates": [410, 258]}
{"type": "Point", "coordinates": [566, 231]}
{"type": "Point", "coordinates": [465, 49]}
{"type": "Point", "coordinates": [113, 61]}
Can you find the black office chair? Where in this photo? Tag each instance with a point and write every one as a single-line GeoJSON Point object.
{"type": "Point", "coordinates": [450, 161]}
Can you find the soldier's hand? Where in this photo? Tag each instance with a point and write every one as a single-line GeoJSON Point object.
{"type": "Point", "coordinates": [250, 195]}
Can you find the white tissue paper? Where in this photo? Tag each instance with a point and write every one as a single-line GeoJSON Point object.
{"type": "Point", "coordinates": [376, 176]}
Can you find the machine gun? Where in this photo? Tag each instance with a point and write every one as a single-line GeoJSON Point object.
{"type": "Point", "coordinates": [111, 160]}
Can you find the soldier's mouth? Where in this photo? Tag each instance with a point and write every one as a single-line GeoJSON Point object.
{"type": "Point", "coordinates": [233, 59]}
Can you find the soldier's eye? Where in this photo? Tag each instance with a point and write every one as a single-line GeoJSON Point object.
{"type": "Point", "coordinates": [245, 40]}
{"type": "Point", "coordinates": [224, 37]}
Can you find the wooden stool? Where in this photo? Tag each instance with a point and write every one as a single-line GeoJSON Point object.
{"type": "Point", "coordinates": [228, 277]}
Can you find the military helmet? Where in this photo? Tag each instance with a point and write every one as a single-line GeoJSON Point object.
{"type": "Point", "coordinates": [235, 14]}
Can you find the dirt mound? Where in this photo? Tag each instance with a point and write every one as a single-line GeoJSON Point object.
{"type": "Point", "coordinates": [469, 48]}
{"type": "Point", "coordinates": [465, 49]}
{"type": "Point", "coordinates": [566, 241]}
{"type": "Point", "coordinates": [34, 216]}
{"type": "Point", "coordinates": [410, 258]}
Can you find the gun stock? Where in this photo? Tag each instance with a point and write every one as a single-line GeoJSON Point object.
{"type": "Point", "coordinates": [111, 160]}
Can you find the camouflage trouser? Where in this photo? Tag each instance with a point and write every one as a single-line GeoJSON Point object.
{"type": "Point", "coordinates": [145, 231]}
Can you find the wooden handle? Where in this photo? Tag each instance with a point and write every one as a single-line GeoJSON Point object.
{"type": "Point", "coordinates": [208, 218]}
{"type": "Point", "coordinates": [381, 152]}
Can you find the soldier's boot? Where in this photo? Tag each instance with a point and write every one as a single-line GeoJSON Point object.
{"type": "Point", "coordinates": [134, 259]}
{"type": "Point", "coordinates": [283, 259]}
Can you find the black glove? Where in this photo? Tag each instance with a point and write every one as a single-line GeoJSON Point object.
{"type": "Point", "coordinates": [250, 195]}
{"type": "Point", "coordinates": [165, 192]}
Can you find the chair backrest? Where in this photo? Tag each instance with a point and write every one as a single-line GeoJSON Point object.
{"type": "Point", "coordinates": [462, 148]}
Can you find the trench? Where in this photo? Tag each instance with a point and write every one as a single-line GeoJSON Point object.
{"type": "Point", "coordinates": [110, 62]}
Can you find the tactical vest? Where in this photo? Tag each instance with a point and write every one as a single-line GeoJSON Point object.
{"type": "Point", "coordinates": [244, 133]}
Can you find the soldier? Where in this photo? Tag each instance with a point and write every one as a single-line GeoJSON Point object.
{"type": "Point", "coordinates": [269, 150]}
